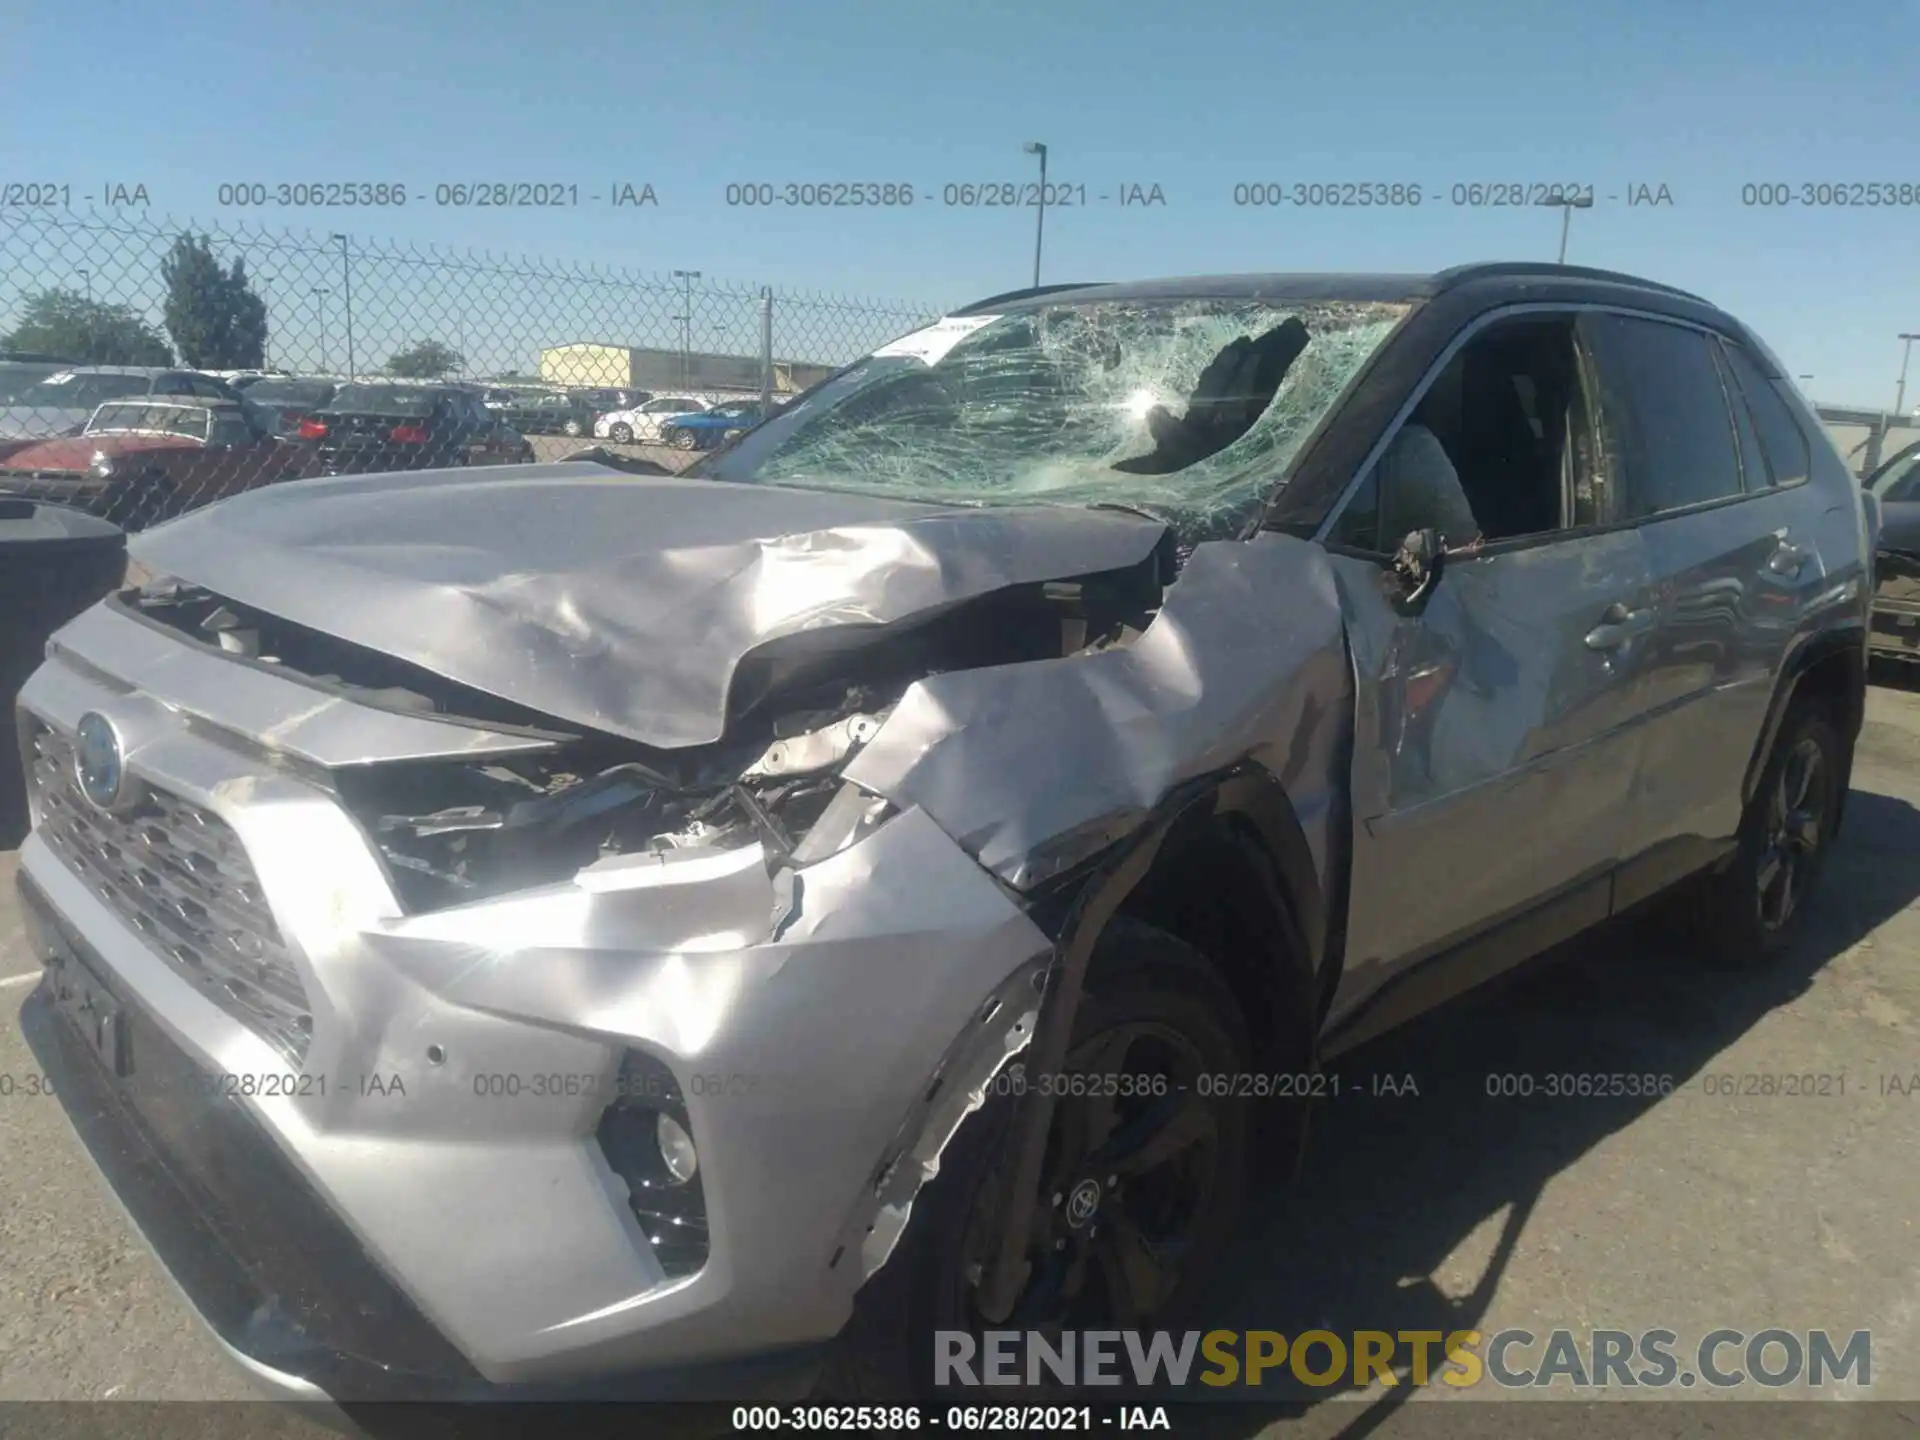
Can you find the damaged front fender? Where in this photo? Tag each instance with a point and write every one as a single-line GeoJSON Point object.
{"type": "Point", "coordinates": [1036, 768]}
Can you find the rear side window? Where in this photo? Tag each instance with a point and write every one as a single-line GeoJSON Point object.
{"type": "Point", "coordinates": [1789, 457]}
{"type": "Point", "coordinates": [1668, 414]}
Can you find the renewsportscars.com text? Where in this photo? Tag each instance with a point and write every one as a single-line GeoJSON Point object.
{"type": "Point", "coordinates": [1511, 1359]}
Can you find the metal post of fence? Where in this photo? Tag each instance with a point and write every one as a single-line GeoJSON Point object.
{"type": "Point", "coordinates": [346, 280]}
{"type": "Point", "coordinates": [766, 347]}
{"type": "Point", "coordinates": [320, 308]}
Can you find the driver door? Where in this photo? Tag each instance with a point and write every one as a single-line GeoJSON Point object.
{"type": "Point", "coordinates": [1498, 723]}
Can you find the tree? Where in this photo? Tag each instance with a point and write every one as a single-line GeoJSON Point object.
{"type": "Point", "coordinates": [214, 316]}
{"type": "Point", "coordinates": [425, 360]}
{"type": "Point", "coordinates": [65, 322]}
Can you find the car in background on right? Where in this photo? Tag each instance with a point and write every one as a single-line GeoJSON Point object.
{"type": "Point", "coordinates": [705, 429]}
{"type": "Point", "coordinates": [1895, 485]}
{"type": "Point", "coordinates": [642, 424]}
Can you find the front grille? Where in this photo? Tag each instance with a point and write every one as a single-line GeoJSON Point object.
{"type": "Point", "coordinates": [179, 876]}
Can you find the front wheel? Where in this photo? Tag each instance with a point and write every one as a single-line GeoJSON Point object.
{"type": "Point", "coordinates": [623, 434]}
{"type": "Point", "coordinates": [682, 439]}
{"type": "Point", "coordinates": [1746, 912]}
{"type": "Point", "coordinates": [1145, 1167]}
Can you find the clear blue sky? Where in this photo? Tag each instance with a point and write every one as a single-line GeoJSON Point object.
{"type": "Point", "coordinates": [1195, 97]}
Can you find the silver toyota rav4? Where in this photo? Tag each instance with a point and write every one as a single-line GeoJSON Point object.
{"type": "Point", "coordinates": [575, 931]}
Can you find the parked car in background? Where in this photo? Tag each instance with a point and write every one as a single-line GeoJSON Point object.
{"type": "Point", "coordinates": [18, 375]}
{"type": "Point", "coordinates": [408, 425]}
{"type": "Point", "coordinates": [1895, 487]}
{"type": "Point", "coordinates": [552, 412]}
{"type": "Point", "coordinates": [641, 423]}
{"type": "Point", "coordinates": [61, 403]}
{"type": "Point", "coordinates": [705, 429]}
{"type": "Point", "coordinates": [290, 399]}
{"type": "Point", "coordinates": [603, 400]}
{"type": "Point", "coordinates": [138, 462]}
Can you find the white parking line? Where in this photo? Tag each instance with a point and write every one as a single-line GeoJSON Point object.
{"type": "Point", "coordinates": [10, 981]}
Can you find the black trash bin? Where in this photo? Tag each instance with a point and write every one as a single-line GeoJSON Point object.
{"type": "Point", "coordinates": [54, 563]}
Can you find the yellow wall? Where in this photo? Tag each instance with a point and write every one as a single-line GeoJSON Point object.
{"type": "Point", "coordinates": [587, 365]}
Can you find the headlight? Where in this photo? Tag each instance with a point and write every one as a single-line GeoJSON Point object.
{"type": "Point", "coordinates": [101, 466]}
{"type": "Point", "coordinates": [676, 1148]}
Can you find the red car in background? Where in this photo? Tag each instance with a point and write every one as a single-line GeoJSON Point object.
{"type": "Point", "coordinates": [138, 462]}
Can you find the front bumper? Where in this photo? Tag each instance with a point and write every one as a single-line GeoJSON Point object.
{"type": "Point", "coordinates": [425, 1233]}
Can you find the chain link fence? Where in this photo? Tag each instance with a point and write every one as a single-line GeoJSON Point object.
{"type": "Point", "coordinates": [149, 366]}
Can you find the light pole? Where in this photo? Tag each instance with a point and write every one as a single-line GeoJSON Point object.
{"type": "Point", "coordinates": [1034, 147]}
{"type": "Point", "coordinates": [686, 326]}
{"type": "Point", "coordinates": [1566, 207]}
{"type": "Point", "coordinates": [346, 281]}
{"type": "Point", "coordinates": [1906, 353]}
{"type": "Point", "coordinates": [320, 294]}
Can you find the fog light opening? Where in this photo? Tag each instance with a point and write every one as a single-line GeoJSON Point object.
{"type": "Point", "coordinates": [676, 1149]}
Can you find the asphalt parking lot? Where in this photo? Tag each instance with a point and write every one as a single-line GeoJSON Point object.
{"type": "Point", "coordinates": [558, 447]}
{"type": "Point", "coordinates": [1440, 1207]}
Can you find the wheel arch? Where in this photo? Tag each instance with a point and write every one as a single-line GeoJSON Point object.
{"type": "Point", "coordinates": [1235, 878]}
{"type": "Point", "coordinates": [1829, 668]}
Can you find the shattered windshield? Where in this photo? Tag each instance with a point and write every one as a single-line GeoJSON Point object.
{"type": "Point", "coordinates": [1188, 409]}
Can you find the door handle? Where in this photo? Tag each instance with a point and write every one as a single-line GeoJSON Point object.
{"type": "Point", "coordinates": [1617, 626]}
{"type": "Point", "coordinates": [1787, 558]}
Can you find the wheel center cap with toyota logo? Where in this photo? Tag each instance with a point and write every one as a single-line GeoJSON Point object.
{"type": "Point", "coordinates": [99, 764]}
{"type": "Point", "coordinates": [1083, 1202]}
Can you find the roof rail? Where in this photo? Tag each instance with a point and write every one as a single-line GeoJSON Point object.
{"type": "Point", "coordinates": [1462, 274]}
{"type": "Point", "coordinates": [1030, 293]}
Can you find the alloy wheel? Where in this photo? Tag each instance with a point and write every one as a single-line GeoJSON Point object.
{"type": "Point", "coordinates": [1127, 1190]}
{"type": "Point", "coordinates": [1795, 830]}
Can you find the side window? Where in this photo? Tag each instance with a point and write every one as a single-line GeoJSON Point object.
{"type": "Point", "coordinates": [171, 385]}
{"type": "Point", "coordinates": [206, 387]}
{"type": "Point", "coordinates": [1668, 413]}
{"type": "Point", "coordinates": [1753, 461]}
{"type": "Point", "coordinates": [1498, 448]}
{"type": "Point", "coordinates": [1789, 457]}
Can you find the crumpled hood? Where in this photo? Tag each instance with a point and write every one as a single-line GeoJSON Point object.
{"type": "Point", "coordinates": [623, 603]}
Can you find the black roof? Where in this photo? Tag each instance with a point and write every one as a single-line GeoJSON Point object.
{"type": "Point", "coordinates": [1531, 275]}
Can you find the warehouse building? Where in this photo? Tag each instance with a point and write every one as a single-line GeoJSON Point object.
{"type": "Point", "coordinates": [626, 367]}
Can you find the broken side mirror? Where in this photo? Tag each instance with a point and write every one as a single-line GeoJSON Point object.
{"type": "Point", "coordinates": [1418, 566]}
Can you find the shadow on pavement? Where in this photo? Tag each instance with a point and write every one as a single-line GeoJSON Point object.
{"type": "Point", "coordinates": [1392, 1186]}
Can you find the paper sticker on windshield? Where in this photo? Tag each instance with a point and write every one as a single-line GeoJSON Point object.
{"type": "Point", "coordinates": [937, 339]}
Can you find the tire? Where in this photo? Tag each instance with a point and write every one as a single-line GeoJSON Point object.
{"type": "Point", "coordinates": [682, 439]}
{"type": "Point", "coordinates": [139, 502]}
{"type": "Point", "coordinates": [1142, 981]}
{"type": "Point", "coordinates": [621, 434]}
{"type": "Point", "coordinates": [573, 429]}
{"type": "Point", "coordinates": [1744, 915]}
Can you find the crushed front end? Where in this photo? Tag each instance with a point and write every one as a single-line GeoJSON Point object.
{"type": "Point", "coordinates": [437, 1051]}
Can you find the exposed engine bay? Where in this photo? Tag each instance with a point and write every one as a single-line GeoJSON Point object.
{"type": "Point", "coordinates": [453, 831]}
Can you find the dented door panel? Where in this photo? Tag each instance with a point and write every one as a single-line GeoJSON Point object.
{"type": "Point", "coordinates": [1493, 747]}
